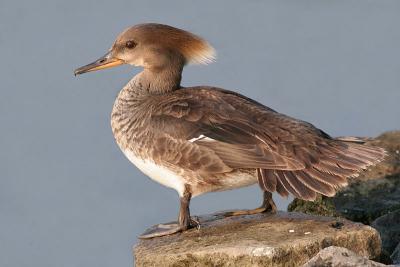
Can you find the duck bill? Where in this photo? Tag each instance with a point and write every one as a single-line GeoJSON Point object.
{"type": "Point", "coordinates": [105, 62]}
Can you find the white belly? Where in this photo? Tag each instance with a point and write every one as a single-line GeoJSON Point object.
{"type": "Point", "coordinates": [157, 173]}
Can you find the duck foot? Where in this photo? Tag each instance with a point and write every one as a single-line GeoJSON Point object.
{"type": "Point", "coordinates": [245, 212]}
{"type": "Point", "coordinates": [169, 229]}
{"type": "Point", "coordinates": [162, 230]}
{"type": "Point", "coordinates": [268, 205]}
{"type": "Point", "coordinates": [184, 223]}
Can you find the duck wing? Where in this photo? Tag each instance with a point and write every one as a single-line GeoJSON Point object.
{"type": "Point", "coordinates": [290, 155]}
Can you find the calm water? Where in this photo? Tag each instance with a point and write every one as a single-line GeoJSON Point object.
{"type": "Point", "coordinates": [68, 197]}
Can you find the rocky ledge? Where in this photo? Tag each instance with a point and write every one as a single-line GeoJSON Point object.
{"type": "Point", "coordinates": [281, 239]}
{"type": "Point", "coordinates": [340, 257]}
{"type": "Point", "coordinates": [373, 198]}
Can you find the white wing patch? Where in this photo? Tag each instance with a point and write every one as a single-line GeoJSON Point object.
{"type": "Point", "coordinates": [201, 137]}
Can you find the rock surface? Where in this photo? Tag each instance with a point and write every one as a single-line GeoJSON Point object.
{"type": "Point", "coordinates": [365, 201]}
{"type": "Point", "coordinates": [340, 257]}
{"type": "Point", "coordinates": [323, 206]}
{"type": "Point", "coordinates": [374, 193]}
{"type": "Point", "coordinates": [282, 239]}
{"type": "Point", "coordinates": [396, 255]}
{"type": "Point", "coordinates": [362, 201]}
{"type": "Point", "coordinates": [390, 141]}
{"type": "Point", "coordinates": [388, 227]}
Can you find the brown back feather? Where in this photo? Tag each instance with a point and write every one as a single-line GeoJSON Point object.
{"type": "Point", "coordinates": [291, 156]}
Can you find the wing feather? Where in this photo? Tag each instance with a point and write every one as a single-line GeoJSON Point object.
{"type": "Point", "coordinates": [291, 156]}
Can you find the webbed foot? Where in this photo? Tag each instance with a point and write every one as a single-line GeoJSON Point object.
{"type": "Point", "coordinates": [268, 205]}
{"type": "Point", "coordinates": [162, 230]}
{"type": "Point", "coordinates": [169, 229]}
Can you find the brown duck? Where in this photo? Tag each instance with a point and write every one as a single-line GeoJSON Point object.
{"type": "Point", "coordinates": [204, 139]}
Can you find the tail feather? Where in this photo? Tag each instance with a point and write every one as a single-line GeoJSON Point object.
{"type": "Point", "coordinates": [280, 189]}
{"type": "Point", "coordinates": [337, 161]}
{"type": "Point", "coordinates": [287, 185]}
{"type": "Point", "coordinates": [353, 139]}
{"type": "Point", "coordinates": [301, 189]}
{"type": "Point", "coordinates": [267, 180]}
{"type": "Point", "coordinates": [314, 184]}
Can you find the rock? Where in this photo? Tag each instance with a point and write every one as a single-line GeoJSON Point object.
{"type": "Point", "coordinates": [388, 227]}
{"type": "Point", "coordinates": [364, 201]}
{"type": "Point", "coordinates": [374, 193]}
{"type": "Point", "coordinates": [391, 165]}
{"type": "Point", "coordinates": [340, 257]}
{"type": "Point", "coordinates": [322, 205]}
{"type": "Point", "coordinates": [282, 239]}
{"type": "Point", "coordinates": [396, 255]}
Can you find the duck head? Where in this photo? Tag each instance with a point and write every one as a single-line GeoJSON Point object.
{"type": "Point", "coordinates": [154, 47]}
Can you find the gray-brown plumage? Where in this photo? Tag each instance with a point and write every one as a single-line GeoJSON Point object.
{"type": "Point", "coordinates": [203, 139]}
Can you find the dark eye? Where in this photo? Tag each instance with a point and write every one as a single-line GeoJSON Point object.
{"type": "Point", "coordinates": [130, 44]}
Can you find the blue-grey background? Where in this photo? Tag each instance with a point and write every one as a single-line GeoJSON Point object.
{"type": "Point", "coordinates": [68, 197]}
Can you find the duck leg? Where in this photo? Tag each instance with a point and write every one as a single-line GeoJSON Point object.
{"type": "Point", "coordinates": [267, 205]}
{"type": "Point", "coordinates": [183, 224]}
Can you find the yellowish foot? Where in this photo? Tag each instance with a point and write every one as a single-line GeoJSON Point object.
{"type": "Point", "coordinates": [169, 229]}
{"type": "Point", "coordinates": [245, 212]}
{"type": "Point", "coordinates": [161, 230]}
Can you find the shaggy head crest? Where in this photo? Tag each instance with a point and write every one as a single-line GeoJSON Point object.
{"type": "Point", "coordinates": [193, 48]}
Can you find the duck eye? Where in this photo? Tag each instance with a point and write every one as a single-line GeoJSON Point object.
{"type": "Point", "coordinates": [130, 44]}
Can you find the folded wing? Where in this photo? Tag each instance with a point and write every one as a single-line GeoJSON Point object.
{"type": "Point", "coordinates": [291, 156]}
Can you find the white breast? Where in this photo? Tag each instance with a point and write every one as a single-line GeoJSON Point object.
{"type": "Point", "coordinates": [157, 173]}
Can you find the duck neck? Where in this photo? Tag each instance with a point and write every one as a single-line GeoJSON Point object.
{"type": "Point", "coordinates": [159, 79]}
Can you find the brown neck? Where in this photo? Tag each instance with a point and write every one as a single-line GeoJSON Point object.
{"type": "Point", "coordinates": [160, 79]}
